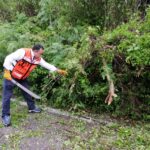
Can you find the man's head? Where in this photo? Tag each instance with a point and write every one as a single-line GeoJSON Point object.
{"type": "Point", "coordinates": [38, 50]}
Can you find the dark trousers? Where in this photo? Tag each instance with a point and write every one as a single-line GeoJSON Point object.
{"type": "Point", "coordinates": [7, 94]}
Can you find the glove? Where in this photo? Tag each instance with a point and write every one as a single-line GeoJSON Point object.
{"type": "Point", "coordinates": [62, 72]}
{"type": "Point", "coordinates": [7, 74]}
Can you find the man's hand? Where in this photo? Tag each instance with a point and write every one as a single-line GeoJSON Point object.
{"type": "Point", "coordinates": [62, 72]}
{"type": "Point", "coordinates": [7, 74]}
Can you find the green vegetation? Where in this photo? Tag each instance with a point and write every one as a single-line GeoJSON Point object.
{"type": "Point", "coordinates": [112, 136]}
{"type": "Point", "coordinates": [94, 41]}
{"type": "Point", "coordinates": [19, 114]}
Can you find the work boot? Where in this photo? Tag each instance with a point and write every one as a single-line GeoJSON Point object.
{"type": "Point", "coordinates": [6, 120]}
{"type": "Point", "coordinates": [35, 110]}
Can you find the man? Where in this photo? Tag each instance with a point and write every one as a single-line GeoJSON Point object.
{"type": "Point", "coordinates": [18, 65]}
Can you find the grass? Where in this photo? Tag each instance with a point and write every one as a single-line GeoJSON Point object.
{"type": "Point", "coordinates": [15, 139]}
{"type": "Point", "coordinates": [114, 136]}
{"type": "Point", "coordinates": [19, 113]}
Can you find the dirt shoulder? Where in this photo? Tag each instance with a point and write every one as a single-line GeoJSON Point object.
{"type": "Point", "coordinates": [50, 131]}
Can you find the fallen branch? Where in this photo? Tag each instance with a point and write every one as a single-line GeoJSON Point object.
{"type": "Point", "coordinates": [111, 92]}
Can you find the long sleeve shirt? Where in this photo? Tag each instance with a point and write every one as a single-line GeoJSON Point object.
{"type": "Point", "coordinates": [12, 59]}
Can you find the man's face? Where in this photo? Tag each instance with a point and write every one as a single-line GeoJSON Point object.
{"type": "Point", "coordinates": [38, 53]}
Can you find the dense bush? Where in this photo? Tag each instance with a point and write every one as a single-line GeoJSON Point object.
{"type": "Point", "coordinates": [105, 14]}
{"type": "Point", "coordinates": [9, 8]}
{"type": "Point", "coordinates": [78, 45]}
{"type": "Point", "coordinates": [126, 50]}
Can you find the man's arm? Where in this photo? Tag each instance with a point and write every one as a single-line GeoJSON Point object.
{"type": "Point", "coordinates": [48, 66]}
{"type": "Point", "coordinates": [11, 59]}
{"type": "Point", "coordinates": [52, 68]}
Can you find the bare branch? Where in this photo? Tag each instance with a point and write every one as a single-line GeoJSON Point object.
{"type": "Point", "coordinates": [111, 92]}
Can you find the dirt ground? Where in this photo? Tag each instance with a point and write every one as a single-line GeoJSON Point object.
{"type": "Point", "coordinates": [44, 131]}
{"type": "Point", "coordinates": [48, 131]}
